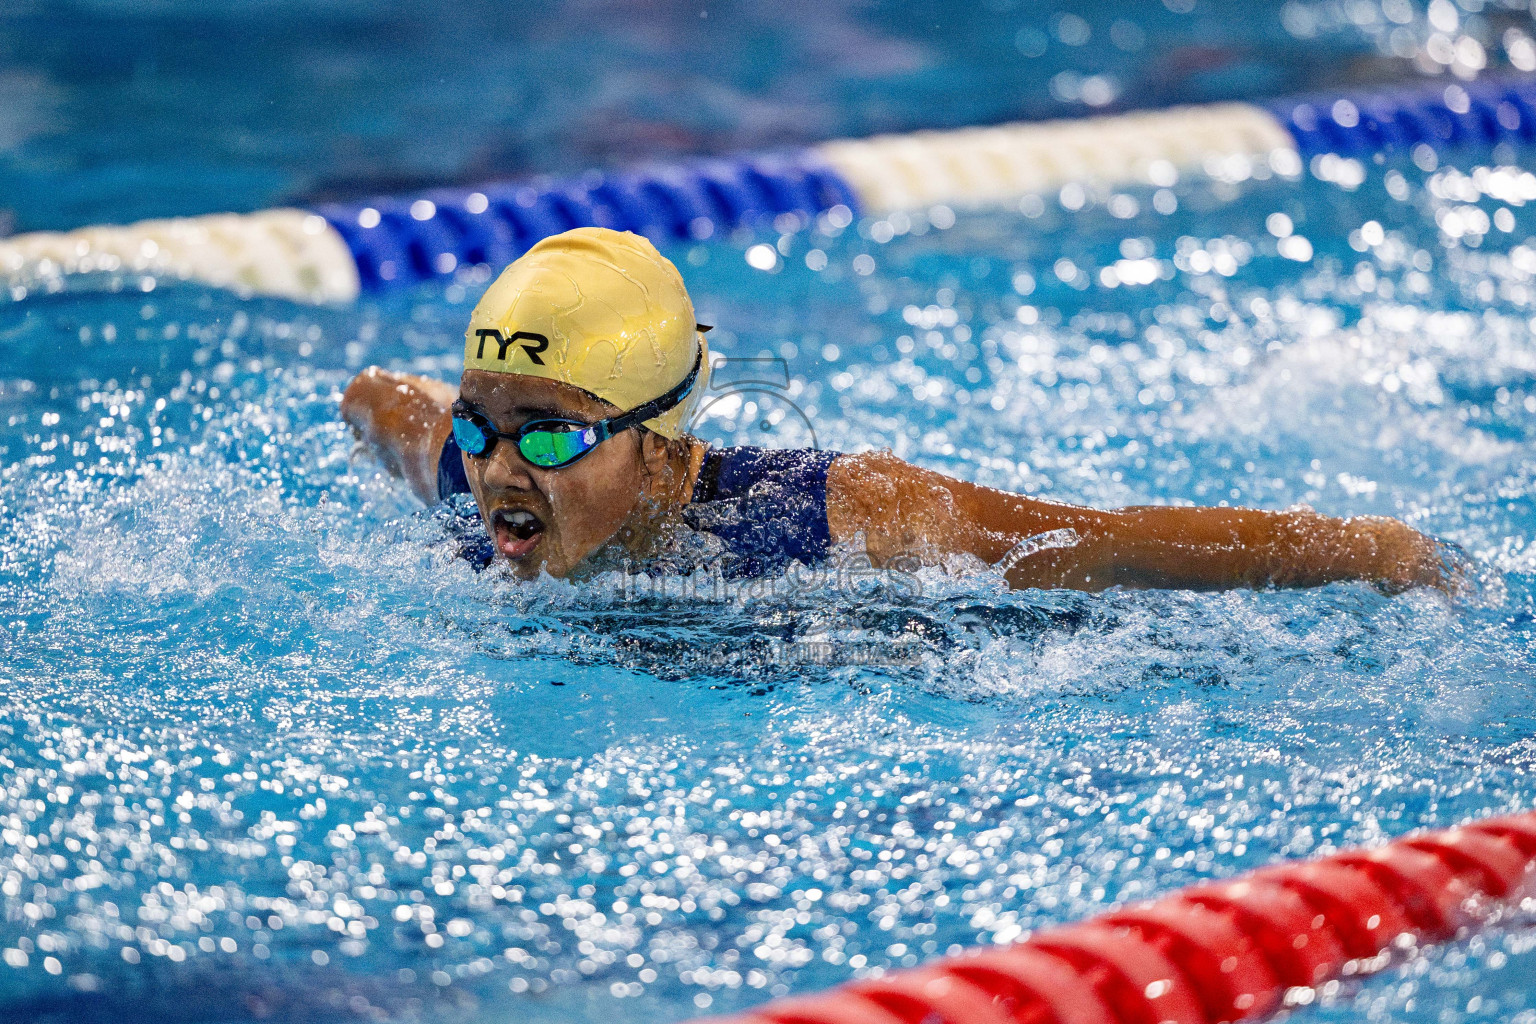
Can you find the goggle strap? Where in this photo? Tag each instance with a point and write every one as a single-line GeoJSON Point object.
{"type": "Point", "coordinates": [656, 406]}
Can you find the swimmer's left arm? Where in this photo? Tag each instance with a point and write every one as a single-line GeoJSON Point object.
{"type": "Point", "coordinates": [1217, 548]}
{"type": "Point", "coordinates": [905, 510]}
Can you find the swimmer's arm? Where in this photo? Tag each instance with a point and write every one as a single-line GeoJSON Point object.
{"type": "Point", "coordinates": [405, 419]}
{"type": "Point", "coordinates": [1218, 548]}
{"type": "Point", "coordinates": [904, 510]}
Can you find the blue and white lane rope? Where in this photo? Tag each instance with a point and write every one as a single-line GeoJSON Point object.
{"type": "Point", "coordinates": [337, 251]}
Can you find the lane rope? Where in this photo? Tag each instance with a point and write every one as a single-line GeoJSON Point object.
{"type": "Point", "coordinates": [341, 250]}
{"type": "Point", "coordinates": [978, 166]}
{"type": "Point", "coordinates": [291, 254]}
{"type": "Point", "coordinates": [1237, 950]}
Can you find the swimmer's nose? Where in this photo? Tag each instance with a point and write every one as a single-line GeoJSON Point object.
{"type": "Point", "coordinates": [507, 470]}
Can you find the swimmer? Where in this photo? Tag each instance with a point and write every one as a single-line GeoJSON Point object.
{"type": "Point", "coordinates": [583, 364]}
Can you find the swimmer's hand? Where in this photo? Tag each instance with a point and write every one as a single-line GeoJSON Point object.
{"type": "Point", "coordinates": [1463, 577]}
{"type": "Point", "coordinates": [404, 419]}
{"type": "Point", "coordinates": [1386, 552]}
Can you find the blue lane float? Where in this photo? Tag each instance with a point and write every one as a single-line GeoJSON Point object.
{"type": "Point", "coordinates": [399, 242]}
{"type": "Point", "coordinates": [1483, 113]}
{"type": "Point", "coordinates": [339, 250]}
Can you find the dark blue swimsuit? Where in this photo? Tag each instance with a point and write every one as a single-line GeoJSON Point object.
{"type": "Point", "coordinates": [767, 506]}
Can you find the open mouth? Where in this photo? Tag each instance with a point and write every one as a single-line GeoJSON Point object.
{"type": "Point", "coordinates": [517, 531]}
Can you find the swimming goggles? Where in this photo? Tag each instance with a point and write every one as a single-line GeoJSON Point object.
{"type": "Point", "coordinates": [553, 442]}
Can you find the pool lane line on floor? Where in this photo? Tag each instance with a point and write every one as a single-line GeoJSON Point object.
{"type": "Point", "coordinates": [341, 250]}
{"type": "Point", "coordinates": [1236, 950]}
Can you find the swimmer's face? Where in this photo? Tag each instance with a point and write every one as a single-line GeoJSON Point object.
{"type": "Point", "coordinates": [551, 519]}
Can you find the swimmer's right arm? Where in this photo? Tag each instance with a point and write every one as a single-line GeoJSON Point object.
{"type": "Point", "coordinates": [405, 419]}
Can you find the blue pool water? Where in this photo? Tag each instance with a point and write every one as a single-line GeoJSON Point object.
{"type": "Point", "coordinates": [189, 106]}
{"type": "Point", "coordinates": [268, 750]}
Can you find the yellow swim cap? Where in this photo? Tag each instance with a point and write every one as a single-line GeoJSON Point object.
{"type": "Point", "coordinates": [599, 309]}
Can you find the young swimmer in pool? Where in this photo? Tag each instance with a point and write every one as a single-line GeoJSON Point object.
{"type": "Point", "coordinates": [582, 366]}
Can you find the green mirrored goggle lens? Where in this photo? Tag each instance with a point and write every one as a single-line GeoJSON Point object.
{"type": "Point", "coordinates": [550, 448]}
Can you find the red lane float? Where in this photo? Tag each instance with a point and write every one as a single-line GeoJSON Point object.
{"type": "Point", "coordinates": [1211, 954]}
